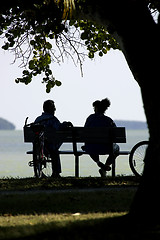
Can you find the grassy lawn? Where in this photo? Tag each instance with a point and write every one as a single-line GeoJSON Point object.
{"type": "Point", "coordinates": [71, 214]}
{"type": "Point", "coordinates": [63, 226]}
{"type": "Point", "coordinates": [65, 183]}
{"type": "Point", "coordinates": [68, 202]}
{"type": "Point", "coordinates": [77, 214]}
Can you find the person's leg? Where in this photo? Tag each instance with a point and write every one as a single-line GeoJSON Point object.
{"type": "Point", "coordinates": [102, 169]}
{"type": "Point", "coordinates": [95, 158]}
{"type": "Point", "coordinates": [56, 164]}
{"type": "Point", "coordinates": [111, 158]}
{"type": "Point", "coordinates": [51, 150]}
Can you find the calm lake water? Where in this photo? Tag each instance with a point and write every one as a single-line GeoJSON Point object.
{"type": "Point", "coordinates": [14, 160]}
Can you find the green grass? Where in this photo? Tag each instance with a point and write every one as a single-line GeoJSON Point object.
{"type": "Point", "coordinates": [77, 214]}
{"type": "Point", "coordinates": [63, 226]}
{"type": "Point", "coordinates": [64, 183]}
{"type": "Point", "coordinates": [68, 202]}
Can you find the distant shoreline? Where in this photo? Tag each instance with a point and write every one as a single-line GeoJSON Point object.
{"type": "Point", "coordinates": [128, 124]}
{"type": "Point", "coordinates": [6, 125]}
{"type": "Point", "coordinates": [131, 125]}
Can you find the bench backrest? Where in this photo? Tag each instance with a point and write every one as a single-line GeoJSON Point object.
{"type": "Point", "coordinates": [80, 134]}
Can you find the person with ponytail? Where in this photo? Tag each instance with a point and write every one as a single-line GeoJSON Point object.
{"type": "Point", "coordinates": [99, 119]}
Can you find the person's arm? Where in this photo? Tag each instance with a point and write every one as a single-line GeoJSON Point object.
{"type": "Point", "coordinates": [65, 125]}
{"type": "Point", "coordinates": [113, 124]}
{"type": "Point", "coordinates": [88, 121]}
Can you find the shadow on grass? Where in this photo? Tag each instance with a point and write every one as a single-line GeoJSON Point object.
{"type": "Point", "coordinates": [68, 202]}
{"type": "Point", "coordinates": [113, 228]}
{"type": "Point", "coordinates": [52, 205]}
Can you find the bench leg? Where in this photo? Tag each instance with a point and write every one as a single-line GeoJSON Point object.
{"type": "Point", "coordinates": [113, 168]}
{"type": "Point", "coordinates": [76, 166]}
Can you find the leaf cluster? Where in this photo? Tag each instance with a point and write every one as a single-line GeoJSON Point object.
{"type": "Point", "coordinates": [26, 32]}
{"type": "Point", "coordinates": [97, 39]}
{"type": "Point", "coordinates": [39, 35]}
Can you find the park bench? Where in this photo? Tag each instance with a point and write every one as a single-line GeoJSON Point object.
{"type": "Point", "coordinates": [77, 135]}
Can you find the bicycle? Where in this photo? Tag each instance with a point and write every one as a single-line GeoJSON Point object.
{"type": "Point", "coordinates": [41, 159]}
{"type": "Point", "coordinates": [136, 157]}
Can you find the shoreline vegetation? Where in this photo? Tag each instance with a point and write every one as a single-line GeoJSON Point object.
{"type": "Point", "coordinates": [6, 125]}
{"type": "Point", "coordinates": [132, 125]}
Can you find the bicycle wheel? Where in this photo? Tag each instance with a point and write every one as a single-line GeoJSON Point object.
{"type": "Point", "coordinates": [136, 158]}
{"type": "Point", "coordinates": [37, 160]}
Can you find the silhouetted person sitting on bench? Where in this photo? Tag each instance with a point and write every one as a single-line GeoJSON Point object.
{"type": "Point", "coordinates": [49, 120]}
{"type": "Point", "coordinates": [98, 119]}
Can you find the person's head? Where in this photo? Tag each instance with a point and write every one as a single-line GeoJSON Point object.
{"type": "Point", "coordinates": [96, 105]}
{"type": "Point", "coordinates": [101, 106]}
{"type": "Point", "coordinates": [49, 107]}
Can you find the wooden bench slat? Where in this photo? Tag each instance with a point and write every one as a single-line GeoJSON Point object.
{"type": "Point", "coordinates": [82, 152]}
{"type": "Point", "coordinates": [80, 134]}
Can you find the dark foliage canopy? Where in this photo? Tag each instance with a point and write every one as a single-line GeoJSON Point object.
{"type": "Point", "coordinates": [41, 32]}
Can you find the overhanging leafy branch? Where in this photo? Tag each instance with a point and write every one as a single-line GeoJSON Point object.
{"type": "Point", "coordinates": [39, 34]}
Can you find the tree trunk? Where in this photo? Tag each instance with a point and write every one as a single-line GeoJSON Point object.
{"type": "Point", "coordinates": [140, 45]}
{"type": "Point", "coordinates": [139, 38]}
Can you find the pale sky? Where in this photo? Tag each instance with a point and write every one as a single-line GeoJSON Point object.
{"type": "Point", "coordinates": [107, 76]}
